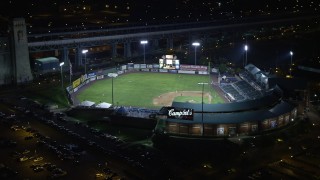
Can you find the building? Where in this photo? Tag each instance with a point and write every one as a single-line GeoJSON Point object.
{"type": "Point", "coordinates": [230, 119]}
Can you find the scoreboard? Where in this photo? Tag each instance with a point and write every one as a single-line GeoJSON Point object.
{"type": "Point", "coordinates": [169, 62]}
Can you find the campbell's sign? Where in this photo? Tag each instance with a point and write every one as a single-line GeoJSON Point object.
{"type": "Point", "coordinates": [180, 113]}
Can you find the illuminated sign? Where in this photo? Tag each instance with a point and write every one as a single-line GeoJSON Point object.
{"type": "Point", "coordinates": [180, 113]}
{"type": "Point", "coordinates": [169, 62]}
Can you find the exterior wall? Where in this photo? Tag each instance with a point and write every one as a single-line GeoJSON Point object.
{"type": "Point", "coordinates": [172, 128]}
{"type": "Point", "coordinates": [208, 130]}
{"type": "Point", "coordinates": [195, 129]}
{"type": "Point", "coordinates": [293, 114]}
{"type": "Point", "coordinates": [183, 129]}
{"type": "Point", "coordinates": [244, 128]}
{"type": "Point", "coordinates": [218, 130]}
{"type": "Point", "coordinates": [280, 121]}
{"type": "Point", "coordinates": [255, 127]}
{"type": "Point", "coordinates": [273, 123]}
{"type": "Point", "coordinates": [222, 130]}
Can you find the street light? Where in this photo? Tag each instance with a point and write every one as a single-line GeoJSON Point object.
{"type": "Point", "coordinates": [61, 64]}
{"type": "Point", "coordinates": [85, 60]}
{"type": "Point", "coordinates": [291, 54]}
{"type": "Point", "coordinates": [144, 42]}
{"type": "Point", "coordinates": [202, 83]}
{"type": "Point", "coordinates": [195, 44]}
{"type": "Point", "coordinates": [246, 50]}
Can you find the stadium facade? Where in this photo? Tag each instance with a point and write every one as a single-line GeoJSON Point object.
{"type": "Point", "coordinates": [230, 119]}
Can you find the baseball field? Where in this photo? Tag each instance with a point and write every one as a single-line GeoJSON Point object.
{"type": "Point", "coordinates": [150, 90]}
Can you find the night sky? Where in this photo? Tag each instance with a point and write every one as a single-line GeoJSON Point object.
{"type": "Point", "coordinates": [56, 13]}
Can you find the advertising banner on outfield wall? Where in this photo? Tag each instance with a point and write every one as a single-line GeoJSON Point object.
{"type": "Point", "coordinates": [143, 66]}
{"type": "Point", "coordinates": [123, 67]}
{"type": "Point", "coordinates": [93, 78]}
{"type": "Point", "coordinates": [154, 70]}
{"type": "Point", "coordinates": [186, 67]}
{"type": "Point", "coordinates": [136, 66]}
{"type": "Point", "coordinates": [145, 70]}
{"type": "Point", "coordinates": [83, 78]}
{"type": "Point", "coordinates": [100, 77]}
{"type": "Point", "coordinates": [130, 65]}
{"type": "Point", "coordinates": [202, 72]}
{"type": "Point", "coordinates": [186, 72]}
{"type": "Point", "coordinates": [149, 66]}
{"type": "Point", "coordinates": [173, 71]}
{"type": "Point", "coordinates": [163, 70]}
{"type": "Point", "coordinates": [76, 83]}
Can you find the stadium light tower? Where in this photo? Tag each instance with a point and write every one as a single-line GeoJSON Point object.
{"type": "Point", "coordinates": [85, 60]}
{"type": "Point", "coordinates": [246, 50]}
{"type": "Point", "coordinates": [202, 128]}
{"type": "Point", "coordinates": [195, 44]}
{"type": "Point", "coordinates": [291, 54]}
{"type": "Point", "coordinates": [144, 42]}
{"type": "Point", "coordinates": [61, 64]}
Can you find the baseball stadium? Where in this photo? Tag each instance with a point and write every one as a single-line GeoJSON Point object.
{"type": "Point", "coordinates": [184, 100]}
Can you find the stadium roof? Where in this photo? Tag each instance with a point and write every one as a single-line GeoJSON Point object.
{"type": "Point", "coordinates": [47, 60]}
{"type": "Point", "coordinates": [239, 117]}
{"type": "Point", "coordinates": [87, 103]}
{"type": "Point", "coordinates": [261, 103]}
{"type": "Point", "coordinates": [103, 105]}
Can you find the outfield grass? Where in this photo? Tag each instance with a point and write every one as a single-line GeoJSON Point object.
{"type": "Point", "coordinates": [139, 89]}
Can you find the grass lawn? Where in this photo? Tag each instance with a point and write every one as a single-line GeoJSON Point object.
{"type": "Point", "coordinates": [139, 89]}
{"type": "Point", "coordinates": [51, 93]}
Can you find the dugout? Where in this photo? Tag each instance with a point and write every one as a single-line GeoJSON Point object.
{"type": "Point", "coordinates": [46, 65]}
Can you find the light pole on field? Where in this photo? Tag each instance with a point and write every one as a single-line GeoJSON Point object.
{"type": "Point", "coordinates": [195, 44]}
{"type": "Point", "coordinates": [61, 64]}
{"type": "Point", "coordinates": [202, 126]}
{"type": "Point", "coordinates": [85, 60]}
{"type": "Point", "coordinates": [112, 90]}
{"type": "Point", "coordinates": [144, 42]}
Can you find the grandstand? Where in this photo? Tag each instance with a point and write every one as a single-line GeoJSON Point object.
{"type": "Point", "coordinates": [251, 84]}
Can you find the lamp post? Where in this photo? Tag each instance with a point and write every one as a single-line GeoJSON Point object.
{"type": "Point", "coordinates": [144, 42]}
{"type": "Point", "coordinates": [85, 60]}
{"type": "Point", "coordinates": [246, 50]}
{"type": "Point", "coordinates": [291, 54]}
{"type": "Point", "coordinates": [112, 90]}
{"type": "Point", "coordinates": [61, 64]}
{"type": "Point", "coordinates": [202, 125]}
{"type": "Point", "coordinates": [195, 44]}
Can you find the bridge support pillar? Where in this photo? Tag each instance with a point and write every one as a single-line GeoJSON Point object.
{"type": "Point", "coordinates": [155, 44]}
{"type": "Point", "coordinates": [169, 43]}
{"type": "Point", "coordinates": [127, 49]}
{"type": "Point", "coordinates": [78, 58]}
{"type": "Point", "coordinates": [65, 55]}
{"type": "Point", "coordinates": [114, 50]}
{"type": "Point", "coordinates": [20, 52]}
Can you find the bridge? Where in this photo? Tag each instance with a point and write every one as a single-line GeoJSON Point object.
{"type": "Point", "coordinates": [127, 36]}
